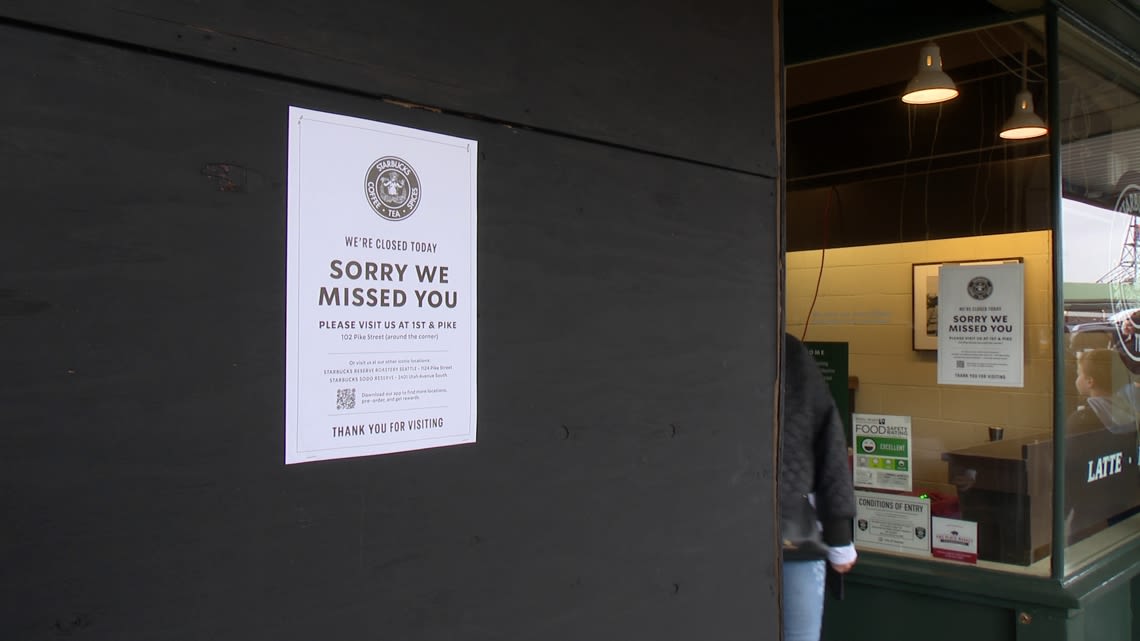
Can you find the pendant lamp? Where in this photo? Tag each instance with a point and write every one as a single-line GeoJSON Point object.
{"type": "Point", "coordinates": [1024, 123]}
{"type": "Point", "coordinates": [930, 85]}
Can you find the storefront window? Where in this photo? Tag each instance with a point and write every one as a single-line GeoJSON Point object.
{"type": "Point", "coordinates": [919, 270]}
{"type": "Point", "coordinates": [1100, 240]}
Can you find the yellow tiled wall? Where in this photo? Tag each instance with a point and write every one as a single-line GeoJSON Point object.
{"type": "Point", "coordinates": [865, 300]}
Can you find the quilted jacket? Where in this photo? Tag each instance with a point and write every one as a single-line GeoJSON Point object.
{"type": "Point", "coordinates": [813, 451]}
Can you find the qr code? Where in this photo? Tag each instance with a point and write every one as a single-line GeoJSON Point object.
{"type": "Point", "coordinates": [960, 364]}
{"type": "Point", "coordinates": [346, 398]}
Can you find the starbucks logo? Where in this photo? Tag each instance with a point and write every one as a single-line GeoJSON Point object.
{"type": "Point", "coordinates": [979, 288]}
{"type": "Point", "coordinates": [392, 188]}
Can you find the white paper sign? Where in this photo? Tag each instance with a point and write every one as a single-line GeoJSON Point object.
{"type": "Point", "coordinates": [954, 539]}
{"type": "Point", "coordinates": [380, 318]}
{"type": "Point", "coordinates": [882, 445]}
{"type": "Point", "coordinates": [892, 522]}
{"type": "Point", "coordinates": [981, 325]}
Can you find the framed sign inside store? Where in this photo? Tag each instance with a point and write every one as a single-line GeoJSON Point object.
{"type": "Point", "coordinates": [924, 299]}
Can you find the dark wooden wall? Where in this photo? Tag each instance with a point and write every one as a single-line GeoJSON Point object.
{"type": "Point", "coordinates": [622, 484]}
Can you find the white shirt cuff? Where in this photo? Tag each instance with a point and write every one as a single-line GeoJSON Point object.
{"type": "Point", "coordinates": [842, 555]}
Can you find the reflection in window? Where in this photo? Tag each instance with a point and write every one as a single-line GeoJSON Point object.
{"type": "Point", "coordinates": [881, 197]}
{"type": "Point", "coordinates": [1100, 236]}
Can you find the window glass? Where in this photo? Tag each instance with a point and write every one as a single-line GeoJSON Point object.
{"type": "Point", "coordinates": [1100, 240]}
{"type": "Point", "coordinates": [919, 270]}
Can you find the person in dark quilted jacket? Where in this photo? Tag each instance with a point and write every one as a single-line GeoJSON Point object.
{"type": "Point", "coordinates": [813, 463]}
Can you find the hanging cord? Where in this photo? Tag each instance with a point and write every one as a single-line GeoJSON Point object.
{"type": "Point", "coordinates": [926, 183]}
{"type": "Point", "coordinates": [822, 254]}
{"type": "Point", "coordinates": [911, 117]}
{"type": "Point", "coordinates": [995, 109]}
{"type": "Point", "coordinates": [1005, 178]}
{"type": "Point", "coordinates": [975, 225]}
{"type": "Point", "coordinates": [1025, 68]}
{"type": "Point", "coordinates": [1038, 76]}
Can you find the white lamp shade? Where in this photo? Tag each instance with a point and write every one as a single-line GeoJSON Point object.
{"type": "Point", "coordinates": [1024, 123]}
{"type": "Point", "coordinates": [930, 85]}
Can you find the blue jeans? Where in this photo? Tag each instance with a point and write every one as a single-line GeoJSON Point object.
{"type": "Point", "coordinates": [803, 599]}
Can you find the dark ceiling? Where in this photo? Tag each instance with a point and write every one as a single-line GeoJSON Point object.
{"type": "Point", "coordinates": [815, 29]}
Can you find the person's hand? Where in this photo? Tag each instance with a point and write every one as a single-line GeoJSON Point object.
{"type": "Point", "coordinates": [842, 558]}
{"type": "Point", "coordinates": [843, 568]}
